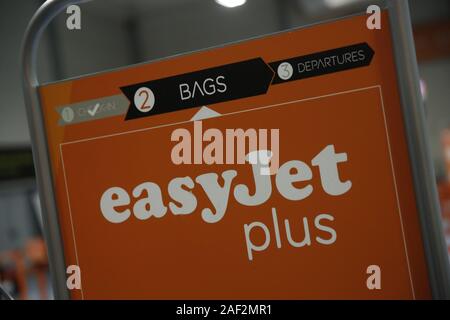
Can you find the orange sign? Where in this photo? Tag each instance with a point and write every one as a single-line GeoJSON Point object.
{"type": "Point", "coordinates": [152, 205]}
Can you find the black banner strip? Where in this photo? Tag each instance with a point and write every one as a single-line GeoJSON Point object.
{"type": "Point", "coordinates": [229, 82]}
{"type": "Point", "coordinates": [321, 63]}
{"type": "Point", "coordinates": [237, 80]}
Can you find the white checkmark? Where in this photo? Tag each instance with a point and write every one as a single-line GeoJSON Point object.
{"type": "Point", "coordinates": [93, 111]}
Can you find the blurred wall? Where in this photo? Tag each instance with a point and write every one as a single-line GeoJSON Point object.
{"type": "Point", "coordinates": [14, 17]}
{"type": "Point", "coordinates": [437, 77]}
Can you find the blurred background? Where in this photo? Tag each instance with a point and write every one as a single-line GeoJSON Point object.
{"type": "Point", "coordinates": [116, 33]}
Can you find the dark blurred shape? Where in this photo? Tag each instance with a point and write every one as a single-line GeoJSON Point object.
{"type": "Point", "coordinates": [36, 255]}
{"type": "Point", "coordinates": [4, 295]}
{"type": "Point", "coordinates": [432, 40]}
{"type": "Point", "coordinates": [16, 163]}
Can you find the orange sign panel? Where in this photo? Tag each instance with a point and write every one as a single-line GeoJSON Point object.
{"type": "Point", "coordinates": [154, 202]}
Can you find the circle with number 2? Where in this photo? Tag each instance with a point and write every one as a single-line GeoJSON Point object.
{"type": "Point", "coordinates": [144, 99]}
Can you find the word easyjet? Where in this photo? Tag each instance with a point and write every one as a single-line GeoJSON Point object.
{"type": "Point", "coordinates": [116, 204]}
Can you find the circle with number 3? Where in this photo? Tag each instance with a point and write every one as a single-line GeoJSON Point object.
{"type": "Point", "coordinates": [285, 71]}
{"type": "Point", "coordinates": [144, 99]}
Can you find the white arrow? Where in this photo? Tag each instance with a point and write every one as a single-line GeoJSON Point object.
{"type": "Point", "coordinates": [205, 113]}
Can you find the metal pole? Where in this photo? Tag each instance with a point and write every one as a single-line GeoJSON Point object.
{"type": "Point", "coordinates": [419, 151]}
{"type": "Point", "coordinates": [4, 295]}
{"type": "Point", "coordinates": [46, 13]}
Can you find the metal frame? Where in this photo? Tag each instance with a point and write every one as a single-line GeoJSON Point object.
{"type": "Point", "coordinates": [413, 115]}
{"type": "Point", "coordinates": [419, 150]}
{"type": "Point", "coordinates": [4, 295]}
{"type": "Point", "coordinates": [45, 14]}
